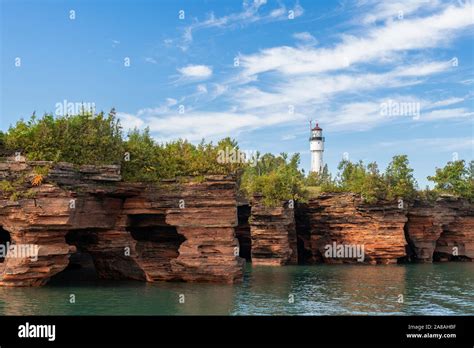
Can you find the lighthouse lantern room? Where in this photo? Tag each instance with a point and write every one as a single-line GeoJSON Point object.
{"type": "Point", "coordinates": [316, 142]}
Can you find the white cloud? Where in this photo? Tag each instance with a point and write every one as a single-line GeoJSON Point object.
{"type": "Point", "coordinates": [441, 144]}
{"type": "Point", "coordinates": [310, 78]}
{"type": "Point", "coordinates": [196, 71]}
{"type": "Point", "coordinates": [408, 34]}
{"type": "Point", "coordinates": [393, 9]}
{"type": "Point", "coordinates": [210, 125]}
{"type": "Point", "coordinates": [150, 60]}
{"type": "Point", "coordinates": [201, 89]}
{"type": "Point", "coordinates": [320, 88]}
{"type": "Point", "coordinates": [129, 121]}
{"type": "Point", "coordinates": [249, 14]}
{"type": "Point", "coordinates": [446, 114]}
{"type": "Point", "coordinates": [446, 102]}
{"type": "Point", "coordinates": [171, 101]}
{"type": "Point", "coordinates": [305, 38]}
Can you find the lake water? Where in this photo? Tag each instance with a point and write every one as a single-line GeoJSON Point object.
{"type": "Point", "coordinates": [427, 289]}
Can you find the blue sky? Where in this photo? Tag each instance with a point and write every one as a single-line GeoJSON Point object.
{"type": "Point", "coordinates": [257, 71]}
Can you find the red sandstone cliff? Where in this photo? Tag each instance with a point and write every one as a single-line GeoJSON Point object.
{"type": "Point", "coordinates": [170, 231]}
{"type": "Point", "coordinates": [196, 231]}
{"type": "Point", "coordinates": [273, 234]}
{"type": "Point", "coordinates": [344, 219]}
{"type": "Point", "coordinates": [442, 230]}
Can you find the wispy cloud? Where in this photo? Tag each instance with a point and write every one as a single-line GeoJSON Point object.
{"type": "Point", "coordinates": [196, 71]}
{"type": "Point", "coordinates": [393, 37]}
{"type": "Point", "coordinates": [445, 114]}
{"type": "Point", "coordinates": [129, 121]}
{"type": "Point", "coordinates": [305, 39]}
{"type": "Point", "coordinates": [441, 144]}
{"type": "Point", "coordinates": [151, 60]}
{"type": "Point", "coordinates": [393, 9]}
{"type": "Point", "coordinates": [250, 14]}
{"type": "Point", "coordinates": [334, 82]}
{"type": "Point", "coordinates": [447, 102]}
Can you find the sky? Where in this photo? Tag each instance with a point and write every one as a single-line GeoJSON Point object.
{"type": "Point", "coordinates": [380, 77]}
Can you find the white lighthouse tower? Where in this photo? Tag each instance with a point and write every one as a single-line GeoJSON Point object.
{"type": "Point", "coordinates": [316, 143]}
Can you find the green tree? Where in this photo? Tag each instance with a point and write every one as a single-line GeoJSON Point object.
{"type": "Point", "coordinates": [85, 138]}
{"type": "Point", "coordinates": [373, 187]}
{"type": "Point", "coordinates": [141, 162]}
{"type": "Point", "coordinates": [455, 178]}
{"type": "Point", "coordinates": [319, 178]}
{"type": "Point", "coordinates": [276, 178]}
{"type": "Point", "coordinates": [351, 176]}
{"type": "Point", "coordinates": [400, 180]}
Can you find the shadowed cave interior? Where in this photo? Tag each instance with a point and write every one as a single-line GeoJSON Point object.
{"type": "Point", "coordinates": [4, 238]}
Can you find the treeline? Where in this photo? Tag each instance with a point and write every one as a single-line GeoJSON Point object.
{"type": "Point", "coordinates": [89, 138]}
{"type": "Point", "coordinates": [397, 182]}
{"type": "Point", "coordinates": [98, 139]}
{"type": "Point", "coordinates": [275, 178]}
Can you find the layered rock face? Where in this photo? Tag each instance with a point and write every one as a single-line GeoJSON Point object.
{"type": "Point", "coordinates": [342, 227]}
{"type": "Point", "coordinates": [441, 231]}
{"type": "Point", "coordinates": [273, 235]}
{"type": "Point", "coordinates": [170, 231]}
{"type": "Point", "coordinates": [204, 216]}
{"type": "Point", "coordinates": [42, 223]}
{"type": "Point", "coordinates": [190, 230]}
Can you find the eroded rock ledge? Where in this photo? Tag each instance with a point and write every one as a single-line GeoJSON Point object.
{"type": "Point", "coordinates": [273, 234]}
{"type": "Point", "coordinates": [168, 231]}
{"type": "Point", "coordinates": [441, 231]}
{"type": "Point", "coordinates": [202, 230]}
{"type": "Point", "coordinates": [390, 232]}
{"type": "Point", "coordinates": [345, 219]}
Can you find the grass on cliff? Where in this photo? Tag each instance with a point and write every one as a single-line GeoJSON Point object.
{"type": "Point", "coordinates": [89, 138]}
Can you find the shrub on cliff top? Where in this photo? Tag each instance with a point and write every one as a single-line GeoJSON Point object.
{"type": "Point", "coordinates": [400, 179]}
{"type": "Point", "coordinates": [276, 178]}
{"type": "Point", "coordinates": [368, 181]}
{"type": "Point", "coordinates": [89, 138]}
{"type": "Point", "coordinates": [150, 161]}
{"type": "Point", "coordinates": [80, 139]}
{"type": "Point", "coordinates": [455, 178]}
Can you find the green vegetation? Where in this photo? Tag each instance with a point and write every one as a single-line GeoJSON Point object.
{"type": "Point", "coordinates": [16, 190]}
{"type": "Point", "coordinates": [150, 161]}
{"type": "Point", "coordinates": [399, 178]}
{"type": "Point", "coordinates": [89, 138]}
{"type": "Point", "coordinates": [456, 178]}
{"type": "Point", "coordinates": [368, 181]}
{"type": "Point", "coordinates": [276, 178]}
{"type": "Point", "coordinates": [79, 139]}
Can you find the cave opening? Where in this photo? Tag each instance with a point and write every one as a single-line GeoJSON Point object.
{"type": "Point", "coordinates": [447, 249]}
{"type": "Point", "coordinates": [410, 254]}
{"type": "Point", "coordinates": [158, 243]}
{"type": "Point", "coordinates": [5, 239]}
{"type": "Point", "coordinates": [303, 234]}
{"type": "Point", "coordinates": [81, 266]}
{"type": "Point", "coordinates": [242, 231]}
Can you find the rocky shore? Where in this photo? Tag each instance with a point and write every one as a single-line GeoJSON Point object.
{"type": "Point", "coordinates": [199, 229]}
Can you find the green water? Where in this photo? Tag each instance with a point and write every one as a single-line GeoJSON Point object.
{"type": "Point", "coordinates": [432, 289]}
